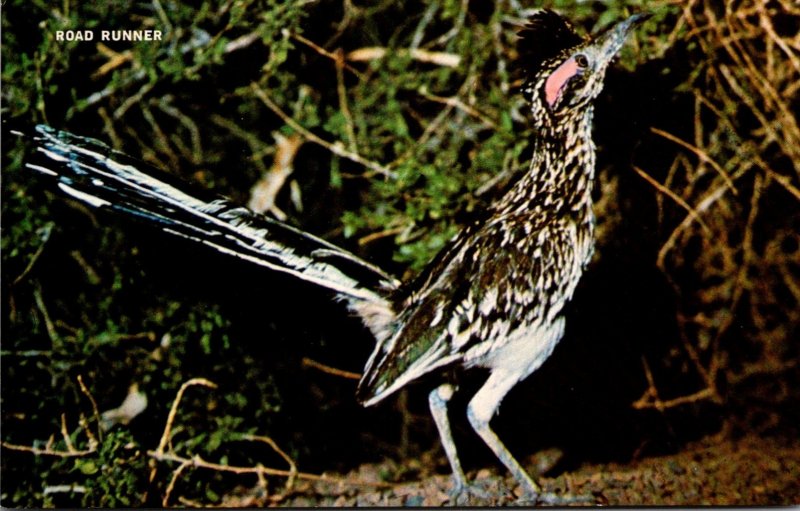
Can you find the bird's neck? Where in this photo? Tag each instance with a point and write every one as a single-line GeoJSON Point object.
{"type": "Point", "coordinates": [559, 180]}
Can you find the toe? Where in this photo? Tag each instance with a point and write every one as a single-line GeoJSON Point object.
{"type": "Point", "coordinates": [556, 499]}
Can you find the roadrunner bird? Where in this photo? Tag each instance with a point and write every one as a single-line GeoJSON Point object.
{"type": "Point", "coordinates": [493, 298]}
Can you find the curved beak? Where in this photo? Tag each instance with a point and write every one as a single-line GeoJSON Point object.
{"type": "Point", "coordinates": [609, 43]}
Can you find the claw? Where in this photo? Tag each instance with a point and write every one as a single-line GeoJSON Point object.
{"type": "Point", "coordinates": [554, 499]}
{"type": "Point", "coordinates": [481, 492]}
{"type": "Point", "coordinates": [470, 495]}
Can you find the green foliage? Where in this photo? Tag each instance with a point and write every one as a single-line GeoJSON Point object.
{"type": "Point", "coordinates": [114, 478]}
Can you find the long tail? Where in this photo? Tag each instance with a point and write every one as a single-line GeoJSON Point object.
{"type": "Point", "coordinates": [93, 173]}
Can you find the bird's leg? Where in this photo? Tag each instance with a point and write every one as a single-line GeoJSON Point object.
{"type": "Point", "coordinates": [480, 411]}
{"type": "Point", "coordinates": [437, 400]}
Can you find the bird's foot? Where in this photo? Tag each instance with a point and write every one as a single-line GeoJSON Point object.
{"type": "Point", "coordinates": [554, 499]}
{"type": "Point", "coordinates": [482, 492]}
{"type": "Point", "coordinates": [470, 495]}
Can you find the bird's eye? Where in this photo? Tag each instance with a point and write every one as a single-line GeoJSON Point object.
{"type": "Point", "coordinates": [581, 60]}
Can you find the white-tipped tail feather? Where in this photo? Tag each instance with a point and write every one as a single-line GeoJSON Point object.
{"type": "Point", "coordinates": [98, 176]}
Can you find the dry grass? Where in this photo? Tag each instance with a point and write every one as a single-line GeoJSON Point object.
{"type": "Point", "coordinates": [734, 258]}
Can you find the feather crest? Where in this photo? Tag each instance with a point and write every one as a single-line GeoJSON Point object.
{"type": "Point", "coordinates": [544, 36]}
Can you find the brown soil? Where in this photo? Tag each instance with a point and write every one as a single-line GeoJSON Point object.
{"type": "Point", "coordinates": [713, 471]}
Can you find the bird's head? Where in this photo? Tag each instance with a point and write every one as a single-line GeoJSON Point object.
{"type": "Point", "coordinates": [565, 71]}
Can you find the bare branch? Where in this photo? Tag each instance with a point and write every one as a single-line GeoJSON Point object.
{"type": "Point", "coordinates": [336, 148]}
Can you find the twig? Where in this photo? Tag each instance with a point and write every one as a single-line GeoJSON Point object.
{"type": "Point", "coordinates": [292, 465]}
{"type": "Point", "coordinates": [427, 17]}
{"type": "Point", "coordinates": [26, 353]}
{"type": "Point", "coordinates": [48, 323]}
{"type": "Point", "coordinates": [369, 238]}
{"type": "Point", "coordinates": [336, 148]}
{"type": "Point", "coordinates": [651, 399]}
{"type": "Point", "coordinates": [457, 103]}
{"type": "Point", "coordinates": [114, 60]}
{"type": "Point", "coordinates": [199, 462]}
{"type": "Point", "coordinates": [762, 368]}
{"type": "Point", "coordinates": [159, 454]}
{"type": "Point", "coordinates": [70, 452]}
{"type": "Point", "coordinates": [701, 395]}
{"type": "Point", "coordinates": [710, 198]}
{"type": "Point", "coordinates": [782, 180]}
{"type": "Point", "coordinates": [132, 100]}
{"type": "Point", "coordinates": [65, 434]}
{"type": "Point", "coordinates": [171, 418]}
{"type": "Point", "coordinates": [49, 451]}
{"type": "Point", "coordinates": [91, 275]}
{"type": "Point", "coordinates": [322, 51]}
{"type": "Point", "coordinates": [64, 488]}
{"type": "Point", "coordinates": [163, 104]}
{"type": "Point", "coordinates": [700, 154]}
{"type": "Point", "coordinates": [433, 125]}
{"type": "Point", "coordinates": [159, 138]}
{"type": "Point", "coordinates": [242, 42]}
{"type": "Point", "coordinates": [174, 410]}
{"type": "Point", "coordinates": [44, 235]}
{"type": "Point", "coordinates": [109, 129]}
{"type": "Point", "coordinates": [457, 26]}
{"type": "Point", "coordinates": [93, 442]}
{"type": "Point", "coordinates": [95, 410]}
{"type": "Point", "coordinates": [669, 193]}
{"type": "Point", "coordinates": [343, 105]}
{"type": "Point", "coordinates": [171, 486]}
{"type": "Point", "coordinates": [307, 362]}
{"type": "Point", "coordinates": [438, 58]}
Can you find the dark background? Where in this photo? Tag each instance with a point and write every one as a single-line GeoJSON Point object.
{"type": "Point", "coordinates": [708, 309]}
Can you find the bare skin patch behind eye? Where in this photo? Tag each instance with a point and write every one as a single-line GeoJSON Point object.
{"type": "Point", "coordinates": [556, 81]}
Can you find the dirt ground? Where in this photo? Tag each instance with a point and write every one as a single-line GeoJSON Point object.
{"type": "Point", "coordinates": [713, 471]}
